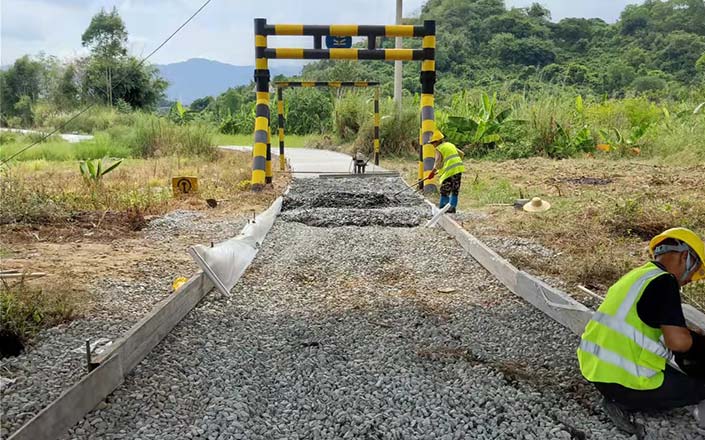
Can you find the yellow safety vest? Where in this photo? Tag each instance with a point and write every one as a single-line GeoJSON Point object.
{"type": "Point", "coordinates": [617, 346]}
{"type": "Point", "coordinates": [452, 162]}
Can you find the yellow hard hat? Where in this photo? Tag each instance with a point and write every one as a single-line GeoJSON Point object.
{"type": "Point", "coordinates": [436, 136]}
{"type": "Point", "coordinates": [690, 238]}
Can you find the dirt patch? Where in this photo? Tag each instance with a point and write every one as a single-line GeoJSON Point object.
{"type": "Point", "coordinates": [586, 180]}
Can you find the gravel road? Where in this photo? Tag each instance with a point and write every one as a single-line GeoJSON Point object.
{"type": "Point", "coordinates": [366, 331]}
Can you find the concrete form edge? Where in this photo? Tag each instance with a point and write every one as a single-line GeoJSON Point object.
{"type": "Point", "coordinates": [111, 367]}
{"type": "Point", "coordinates": [555, 303]}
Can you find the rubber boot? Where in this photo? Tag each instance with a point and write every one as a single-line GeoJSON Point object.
{"type": "Point", "coordinates": [444, 201]}
{"type": "Point", "coordinates": [453, 204]}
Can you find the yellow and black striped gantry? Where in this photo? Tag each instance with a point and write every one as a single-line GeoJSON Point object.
{"type": "Point", "coordinates": [262, 154]}
{"type": "Point", "coordinates": [281, 85]}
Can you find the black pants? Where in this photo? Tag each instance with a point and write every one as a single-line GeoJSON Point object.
{"type": "Point", "coordinates": [676, 391]}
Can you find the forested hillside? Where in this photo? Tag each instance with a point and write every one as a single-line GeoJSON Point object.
{"type": "Point", "coordinates": [654, 48]}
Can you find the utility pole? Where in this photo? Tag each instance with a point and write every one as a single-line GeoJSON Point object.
{"type": "Point", "coordinates": [398, 64]}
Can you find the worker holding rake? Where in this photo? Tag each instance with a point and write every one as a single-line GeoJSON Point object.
{"type": "Point", "coordinates": [636, 349]}
{"type": "Point", "coordinates": [449, 168]}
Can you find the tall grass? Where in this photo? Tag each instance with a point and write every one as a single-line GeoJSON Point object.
{"type": "Point", "coordinates": [152, 136]}
{"type": "Point", "coordinates": [557, 124]}
{"type": "Point", "coordinates": [148, 136]}
{"type": "Point", "coordinates": [399, 132]}
{"type": "Point", "coordinates": [97, 119]}
{"type": "Point", "coordinates": [59, 150]}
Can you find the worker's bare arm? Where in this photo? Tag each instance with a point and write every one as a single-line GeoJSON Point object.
{"type": "Point", "coordinates": [677, 338]}
{"type": "Point", "coordinates": [439, 161]}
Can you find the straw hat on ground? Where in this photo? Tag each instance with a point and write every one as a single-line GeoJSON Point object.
{"type": "Point", "coordinates": [537, 205]}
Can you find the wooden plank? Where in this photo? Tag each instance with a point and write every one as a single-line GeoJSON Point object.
{"type": "Point", "coordinates": [553, 302]}
{"type": "Point", "coordinates": [54, 420]}
{"type": "Point", "coordinates": [504, 271]}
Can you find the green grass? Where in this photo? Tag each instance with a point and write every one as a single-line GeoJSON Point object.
{"type": "Point", "coordinates": [59, 150]}
{"type": "Point", "coordinates": [293, 141]}
{"type": "Point", "coordinates": [24, 310]}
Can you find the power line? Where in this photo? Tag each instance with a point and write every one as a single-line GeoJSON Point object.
{"type": "Point", "coordinates": [62, 126]}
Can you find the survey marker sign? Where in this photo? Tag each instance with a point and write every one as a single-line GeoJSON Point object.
{"type": "Point", "coordinates": [333, 42]}
{"type": "Point", "coordinates": [184, 185]}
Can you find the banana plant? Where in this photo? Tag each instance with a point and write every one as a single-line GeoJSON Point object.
{"type": "Point", "coordinates": [617, 141]}
{"type": "Point", "coordinates": [482, 129]}
{"type": "Point", "coordinates": [94, 170]}
{"type": "Point", "coordinates": [179, 114]}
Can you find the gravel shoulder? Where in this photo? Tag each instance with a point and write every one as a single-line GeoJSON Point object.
{"type": "Point", "coordinates": [342, 332]}
{"type": "Point", "coordinates": [123, 279]}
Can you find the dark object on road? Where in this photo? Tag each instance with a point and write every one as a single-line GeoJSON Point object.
{"type": "Point", "coordinates": [212, 203]}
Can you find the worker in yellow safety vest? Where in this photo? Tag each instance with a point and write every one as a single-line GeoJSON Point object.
{"type": "Point", "coordinates": [449, 168]}
{"type": "Point", "coordinates": [637, 349]}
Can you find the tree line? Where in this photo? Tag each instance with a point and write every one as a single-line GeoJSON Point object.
{"type": "Point", "coordinates": [655, 48]}
{"type": "Point", "coordinates": [108, 76]}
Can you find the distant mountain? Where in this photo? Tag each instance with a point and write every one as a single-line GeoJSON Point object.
{"type": "Point", "coordinates": [198, 77]}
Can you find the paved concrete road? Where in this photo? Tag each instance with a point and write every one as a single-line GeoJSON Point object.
{"type": "Point", "coordinates": [309, 162]}
{"type": "Point", "coordinates": [72, 138]}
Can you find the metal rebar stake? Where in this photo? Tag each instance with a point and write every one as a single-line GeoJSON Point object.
{"type": "Point", "coordinates": [88, 355]}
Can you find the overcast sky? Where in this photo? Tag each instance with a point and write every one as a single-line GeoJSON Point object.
{"type": "Point", "coordinates": [223, 31]}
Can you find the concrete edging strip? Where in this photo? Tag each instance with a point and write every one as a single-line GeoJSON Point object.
{"type": "Point", "coordinates": [555, 303]}
{"type": "Point", "coordinates": [489, 259]}
{"type": "Point", "coordinates": [558, 305]}
{"type": "Point", "coordinates": [111, 367]}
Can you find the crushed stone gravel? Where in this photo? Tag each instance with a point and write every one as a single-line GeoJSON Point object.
{"type": "Point", "coordinates": [50, 365]}
{"type": "Point", "coordinates": [341, 332]}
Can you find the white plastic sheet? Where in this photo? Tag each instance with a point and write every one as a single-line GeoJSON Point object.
{"type": "Point", "coordinates": [437, 214]}
{"type": "Point", "coordinates": [225, 262]}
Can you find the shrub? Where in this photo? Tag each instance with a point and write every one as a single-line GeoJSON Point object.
{"type": "Point", "coordinates": [399, 133]}
{"type": "Point", "coordinates": [96, 119]}
{"type": "Point", "coordinates": [154, 136]}
{"type": "Point", "coordinates": [24, 311]}
{"type": "Point", "coordinates": [352, 111]}
{"type": "Point", "coordinates": [307, 111]}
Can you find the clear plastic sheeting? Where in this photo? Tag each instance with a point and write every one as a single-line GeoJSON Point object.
{"type": "Point", "coordinates": [225, 262]}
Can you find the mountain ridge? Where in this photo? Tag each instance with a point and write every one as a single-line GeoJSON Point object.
{"type": "Point", "coordinates": [199, 77]}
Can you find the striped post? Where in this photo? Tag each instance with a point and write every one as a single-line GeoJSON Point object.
{"type": "Point", "coordinates": [344, 30]}
{"type": "Point", "coordinates": [344, 54]}
{"type": "Point", "coordinates": [428, 122]}
{"type": "Point", "coordinates": [428, 78]}
{"type": "Point", "coordinates": [259, 151]}
{"type": "Point", "coordinates": [280, 112]}
{"type": "Point", "coordinates": [268, 176]}
{"type": "Point", "coordinates": [420, 170]}
{"type": "Point", "coordinates": [333, 84]}
{"type": "Point", "coordinates": [376, 135]}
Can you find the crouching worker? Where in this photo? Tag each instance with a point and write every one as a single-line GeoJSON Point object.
{"type": "Point", "coordinates": [449, 168]}
{"type": "Point", "coordinates": [639, 328]}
